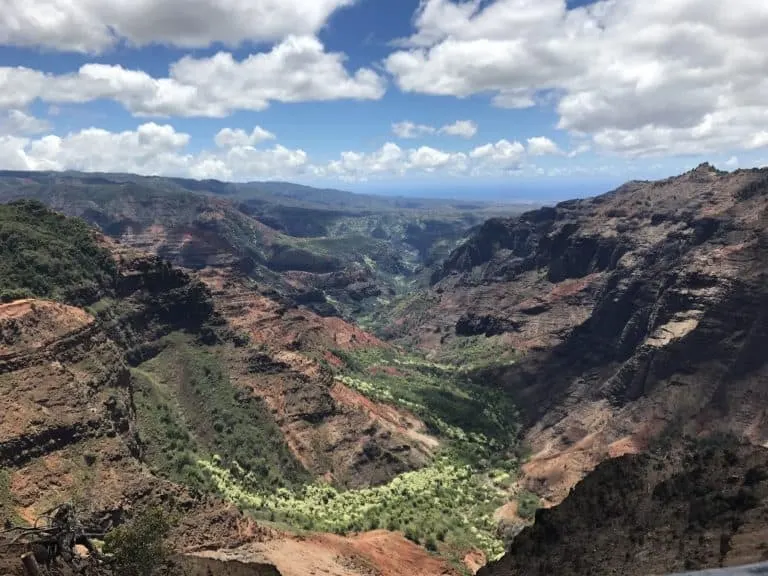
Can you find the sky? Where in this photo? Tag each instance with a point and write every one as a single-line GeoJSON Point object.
{"type": "Point", "coordinates": [517, 99]}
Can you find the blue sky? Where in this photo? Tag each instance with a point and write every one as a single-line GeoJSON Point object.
{"type": "Point", "coordinates": [513, 99]}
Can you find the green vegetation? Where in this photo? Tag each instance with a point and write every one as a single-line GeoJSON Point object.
{"type": "Point", "coordinates": [6, 498]}
{"type": "Point", "coordinates": [446, 506]}
{"type": "Point", "coordinates": [527, 504]}
{"type": "Point", "coordinates": [409, 306]}
{"type": "Point", "coordinates": [139, 547]}
{"type": "Point", "coordinates": [444, 503]}
{"type": "Point", "coordinates": [477, 352]}
{"type": "Point", "coordinates": [478, 422]}
{"type": "Point", "coordinates": [48, 255]}
{"type": "Point", "coordinates": [188, 409]}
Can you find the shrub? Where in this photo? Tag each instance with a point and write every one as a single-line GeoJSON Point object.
{"type": "Point", "coordinates": [139, 547]}
{"type": "Point", "coordinates": [47, 255]}
{"type": "Point", "coordinates": [527, 504]}
{"type": "Point", "coordinates": [6, 499]}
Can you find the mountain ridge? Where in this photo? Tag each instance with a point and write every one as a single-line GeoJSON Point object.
{"type": "Point", "coordinates": [606, 297]}
{"type": "Point", "coordinates": [505, 362]}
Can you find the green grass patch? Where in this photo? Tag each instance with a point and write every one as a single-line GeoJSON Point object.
{"type": "Point", "coordinates": [6, 498]}
{"type": "Point", "coordinates": [7, 502]}
{"type": "Point", "coordinates": [188, 409]}
{"type": "Point", "coordinates": [477, 352]}
{"type": "Point", "coordinates": [101, 306]}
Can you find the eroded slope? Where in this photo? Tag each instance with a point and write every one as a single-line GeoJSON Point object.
{"type": "Point", "coordinates": [636, 315]}
{"type": "Point", "coordinates": [704, 505]}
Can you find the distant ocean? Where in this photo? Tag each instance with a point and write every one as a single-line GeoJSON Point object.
{"type": "Point", "coordinates": [516, 192]}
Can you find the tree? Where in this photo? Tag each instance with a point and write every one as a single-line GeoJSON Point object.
{"type": "Point", "coordinates": [139, 547]}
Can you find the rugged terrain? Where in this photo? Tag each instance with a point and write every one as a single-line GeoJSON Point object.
{"type": "Point", "coordinates": [636, 316]}
{"type": "Point", "coordinates": [338, 253]}
{"type": "Point", "coordinates": [68, 428]}
{"type": "Point", "coordinates": [215, 343]}
{"type": "Point", "coordinates": [114, 404]}
{"type": "Point", "coordinates": [703, 505]}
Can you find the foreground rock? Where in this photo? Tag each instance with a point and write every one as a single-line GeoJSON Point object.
{"type": "Point", "coordinates": [699, 507]}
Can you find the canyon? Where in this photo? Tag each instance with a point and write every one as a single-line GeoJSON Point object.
{"type": "Point", "coordinates": [295, 375]}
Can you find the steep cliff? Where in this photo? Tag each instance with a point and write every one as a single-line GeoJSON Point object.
{"type": "Point", "coordinates": [118, 405]}
{"type": "Point", "coordinates": [69, 430]}
{"type": "Point", "coordinates": [636, 315]}
{"type": "Point", "coordinates": [701, 506]}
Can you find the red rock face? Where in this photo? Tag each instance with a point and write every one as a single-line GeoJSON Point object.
{"type": "Point", "coordinates": [640, 313]}
{"type": "Point", "coordinates": [329, 427]}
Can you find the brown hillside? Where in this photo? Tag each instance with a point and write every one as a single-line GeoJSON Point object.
{"type": "Point", "coordinates": [639, 314]}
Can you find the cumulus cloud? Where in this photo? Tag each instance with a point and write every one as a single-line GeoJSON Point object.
{"type": "Point", "coordinates": [392, 160]}
{"type": "Point", "coordinates": [581, 148]}
{"type": "Point", "coordinates": [298, 69]}
{"type": "Point", "coordinates": [542, 146]}
{"type": "Point", "coordinates": [389, 159]}
{"type": "Point", "coordinates": [408, 129]}
{"type": "Point", "coordinates": [247, 163]}
{"type": "Point", "coordinates": [19, 123]}
{"type": "Point", "coordinates": [463, 128]}
{"type": "Point", "coordinates": [153, 149]}
{"type": "Point", "coordinates": [642, 78]}
{"type": "Point", "coordinates": [231, 138]}
{"type": "Point", "coordinates": [237, 155]}
{"type": "Point", "coordinates": [503, 154]}
{"type": "Point", "coordinates": [150, 149]}
{"type": "Point", "coordinates": [96, 25]}
{"type": "Point", "coordinates": [429, 159]}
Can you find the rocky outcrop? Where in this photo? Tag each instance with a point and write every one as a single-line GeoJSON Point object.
{"type": "Point", "coordinates": [334, 432]}
{"type": "Point", "coordinates": [200, 566]}
{"type": "Point", "coordinates": [66, 393]}
{"type": "Point", "coordinates": [701, 506]}
{"type": "Point", "coordinates": [638, 312]}
{"type": "Point", "coordinates": [488, 325]}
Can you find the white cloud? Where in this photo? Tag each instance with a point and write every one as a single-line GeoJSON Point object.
{"type": "Point", "coordinates": [542, 146]}
{"type": "Point", "coordinates": [12, 153]}
{"type": "Point", "coordinates": [19, 123]}
{"type": "Point", "coordinates": [159, 149]}
{"type": "Point", "coordinates": [231, 138]}
{"type": "Point", "coordinates": [580, 149]}
{"type": "Point", "coordinates": [732, 163]}
{"type": "Point", "coordinates": [463, 128]}
{"type": "Point", "coordinates": [391, 160]}
{"type": "Point", "coordinates": [759, 140]}
{"type": "Point", "coordinates": [408, 129]}
{"type": "Point", "coordinates": [387, 160]}
{"type": "Point", "coordinates": [503, 154]}
{"type": "Point", "coordinates": [429, 159]}
{"type": "Point", "coordinates": [641, 78]}
{"type": "Point", "coordinates": [96, 25]}
{"type": "Point", "coordinates": [296, 70]}
{"type": "Point", "coordinates": [150, 149]}
{"type": "Point", "coordinates": [247, 162]}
